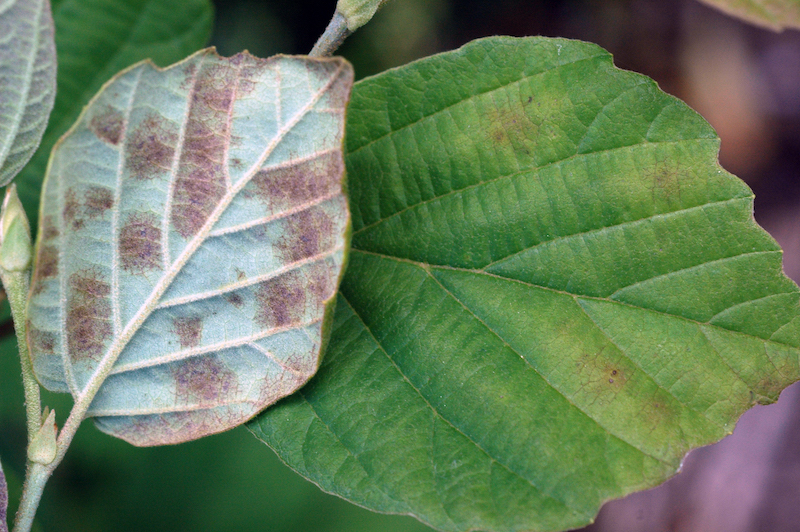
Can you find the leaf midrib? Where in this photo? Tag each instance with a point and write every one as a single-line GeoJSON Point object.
{"type": "Point", "coordinates": [435, 411]}
{"type": "Point", "coordinates": [427, 267]}
{"type": "Point", "coordinates": [577, 297]}
{"type": "Point", "coordinates": [116, 347]}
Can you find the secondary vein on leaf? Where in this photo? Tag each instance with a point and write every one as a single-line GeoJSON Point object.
{"type": "Point", "coordinates": [273, 217]}
{"type": "Point", "coordinates": [115, 349]}
{"type": "Point", "coordinates": [603, 55]}
{"type": "Point", "coordinates": [115, 213]}
{"type": "Point", "coordinates": [166, 253]}
{"type": "Point", "coordinates": [690, 268]}
{"type": "Point", "coordinates": [250, 281]}
{"type": "Point", "coordinates": [529, 170]}
{"type": "Point", "coordinates": [661, 215]}
{"type": "Point", "coordinates": [543, 377]}
{"type": "Point", "coordinates": [211, 348]}
{"type": "Point", "coordinates": [447, 421]}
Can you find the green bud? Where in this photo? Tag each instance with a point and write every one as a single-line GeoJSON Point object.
{"type": "Point", "coordinates": [358, 12]}
{"type": "Point", "coordinates": [43, 446]}
{"type": "Point", "coordinates": [15, 234]}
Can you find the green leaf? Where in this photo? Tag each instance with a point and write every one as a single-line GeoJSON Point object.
{"type": "Point", "coordinates": [554, 293]}
{"type": "Point", "coordinates": [3, 502]}
{"type": "Point", "coordinates": [193, 235]}
{"type": "Point", "coordinates": [95, 39]}
{"type": "Point", "coordinates": [27, 81]}
{"type": "Point", "coordinates": [774, 14]}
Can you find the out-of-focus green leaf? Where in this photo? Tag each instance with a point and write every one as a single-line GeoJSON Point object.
{"type": "Point", "coordinates": [27, 81]}
{"type": "Point", "coordinates": [95, 39]}
{"type": "Point", "coordinates": [193, 232]}
{"type": "Point", "coordinates": [774, 14]}
{"type": "Point", "coordinates": [554, 293]}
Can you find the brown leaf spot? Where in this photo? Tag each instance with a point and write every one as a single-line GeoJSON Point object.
{"type": "Point", "coordinates": [98, 200]}
{"type": "Point", "coordinates": [234, 299]}
{"type": "Point", "coordinates": [289, 187]}
{"type": "Point", "coordinates": [174, 427]}
{"type": "Point", "coordinates": [72, 209]}
{"type": "Point", "coordinates": [251, 69]}
{"type": "Point", "coordinates": [281, 301]}
{"type": "Point", "coordinates": [88, 315]}
{"type": "Point", "coordinates": [151, 147]}
{"type": "Point", "coordinates": [201, 181]}
{"type": "Point", "coordinates": [508, 125]}
{"type": "Point", "coordinates": [49, 228]}
{"type": "Point", "coordinates": [48, 262]}
{"type": "Point", "coordinates": [140, 244]}
{"type": "Point", "coordinates": [325, 71]}
{"type": "Point", "coordinates": [204, 379]}
{"type": "Point", "coordinates": [196, 195]}
{"type": "Point", "coordinates": [189, 70]}
{"type": "Point", "coordinates": [601, 376]}
{"type": "Point", "coordinates": [46, 267]}
{"type": "Point", "coordinates": [189, 331]}
{"type": "Point", "coordinates": [665, 177]}
{"type": "Point", "coordinates": [321, 283]}
{"type": "Point", "coordinates": [108, 125]}
{"type": "Point", "coordinates": [308, 233]}
{"type": "Point", "coordinates": [41, 342]}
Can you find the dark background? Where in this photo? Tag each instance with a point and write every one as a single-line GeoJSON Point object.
{"type": "Point", "coordinates": [744, 80]}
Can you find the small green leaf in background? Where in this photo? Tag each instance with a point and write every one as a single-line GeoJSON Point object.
{"type": "Point", "coordinates": [3, 502]}
{"type": "Point", "coordinates": [554, 293]}
{"type": "Point", "coordinates": [95, 39]}
{"type": "Point", "coordinates": [27, 81]}
{"type": "Point", "coordinates": [193, 232]}
{"type": "Point", "coordinates": [774, 14]}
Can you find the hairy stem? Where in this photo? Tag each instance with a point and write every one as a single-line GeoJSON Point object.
{"type": "Point", "coordinates": [35, 479]}
{"type": "Point", "coordinates": [332, 39]}
{"type": "Point", "coordinates": [16, 285]}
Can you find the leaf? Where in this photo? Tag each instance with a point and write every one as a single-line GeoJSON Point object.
{"type": "Point", "coordinates": [27, 79]}
{"type": "Point", "coordinates": [193, 235]}
{"type": "Point", "coordinates": [774, 14]}
{"type": "Point", "coordinates": [96, 39]}
{"type": "Point", "coordinates": [554, 292]}
{"type": "Point", "coordinates": [3, 502]}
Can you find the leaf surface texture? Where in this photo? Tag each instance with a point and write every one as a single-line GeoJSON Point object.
{"type": "Point", "coordinates": [27, 81]}
{"type": "Point", "coordinates": [193, 232]}
{"type": "Point", "coordinates": [554, 293]}
{"type": "Point", "coordinates": [95, 39]}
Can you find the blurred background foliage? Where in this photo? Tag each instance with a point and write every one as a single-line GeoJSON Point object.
{"type": "Point", "coordinates": [744, 80]}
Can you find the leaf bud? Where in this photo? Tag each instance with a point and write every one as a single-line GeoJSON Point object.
{"type": "Point", "coordinates": [16, 249]}
{"type": "Point", "coordinates": [358, 12]}
{"type": "Point", "coordinates": [43, 446]}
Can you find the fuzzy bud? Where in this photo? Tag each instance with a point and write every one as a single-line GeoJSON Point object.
{"type": "Point", "coordinates": [16, 249]}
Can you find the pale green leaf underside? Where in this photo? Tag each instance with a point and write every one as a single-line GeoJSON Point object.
{"type": "Point", "coordinates": [3, 501]}
{"type": "Point", "coordinates": [193, 231]}
{"type": "Point", "coordinates": [27, 80]}
{"type": "Point", "coordinates": [775, 14]}
{"type": "Point", "coordinates": [554, 293]}
{"type": "Point", "coordinates": [95, 39]}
